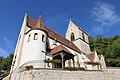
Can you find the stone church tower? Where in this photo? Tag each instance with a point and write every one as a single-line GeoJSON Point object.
{"type": "Point", "coordinates": [78, 37]}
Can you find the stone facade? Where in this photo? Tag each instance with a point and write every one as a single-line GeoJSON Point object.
{"type": "Point", "coordinates": [40, 74]}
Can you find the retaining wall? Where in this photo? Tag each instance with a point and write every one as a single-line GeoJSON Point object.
{"type": "Point", "coordinates": [109, 74]}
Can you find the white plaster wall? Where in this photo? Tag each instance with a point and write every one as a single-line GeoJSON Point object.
{"type": "Point", "coordinates": [84, 47]}
{"type": "Point", "coordinates": [27, 29]}
{"type": "Point", "coordinates": [96, 59]}
{"type": "Point", "coordinates": [86, 38]}
{"type": "Point", "coordinates": [19, 45]}
{"type": "Point", "coordinates": [72, 28]}
{"type": "Point", "coordinates": [52, 43]}
{"type": "Point", "coordinates": [77, 32]}
{"type": "Point", "coordinates": [80, 34]}
{"type": "Point", "coordinates": [78, 44]}
{"type": "Point", "coordinates": [34, 49]}
{"type": "Point", "coordinates": [49, 56]}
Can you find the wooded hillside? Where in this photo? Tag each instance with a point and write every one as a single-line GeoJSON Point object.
{"type": "Point", "coordinates": [109, 47]}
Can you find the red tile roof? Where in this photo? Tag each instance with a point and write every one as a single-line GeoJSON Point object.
{"type": "Point", "coordinates": [91, 56]}
{"type": "Point", "coordinates": [59, 49]}
{"type": "Point", "coordinates": [39, 24]}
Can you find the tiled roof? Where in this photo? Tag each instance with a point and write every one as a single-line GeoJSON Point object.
{"type": "Point", "coordinates": [59, 49]}
{"type": "Point", "coordinates": [39, 24]}
{"type": "Point", "coordinates": [91, 56]}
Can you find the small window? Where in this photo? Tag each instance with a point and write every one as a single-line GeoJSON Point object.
{"type": "Point", "coordinates": [72, 37]}
{"type": "Point", "coordinates": [19, 37]}
{"type": "Point", "coordinates": [15, 56]}
{"type": "Point", "coordinates": [43, 38]}
{"type": "Point", "coordinates": [35, 36]}
{"type": "Point", "coordinates": [83, 36]}
{"type": "Point", "coordinates": [29, 38]}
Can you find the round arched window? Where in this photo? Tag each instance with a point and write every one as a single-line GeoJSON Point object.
{"type": "Point", "coordinates": [72, 36]}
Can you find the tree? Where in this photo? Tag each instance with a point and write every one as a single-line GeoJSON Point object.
{"type": "Point", "coordinates": [109, 47]}
{"type": "Point", "coordinates": [5, 63]}
{"type": "Point", "coordinates": [91, 42]}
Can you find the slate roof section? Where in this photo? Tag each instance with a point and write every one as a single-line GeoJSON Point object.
{"type": "Point", "coordinates": [39, 24]}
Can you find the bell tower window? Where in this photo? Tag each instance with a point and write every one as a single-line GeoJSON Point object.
{"type": "Point", "coordinates": [35, 36]}
{"type": "Point", "coordinates": [72, 37]}
{"type": "Point", "coordinates": [83, 36]}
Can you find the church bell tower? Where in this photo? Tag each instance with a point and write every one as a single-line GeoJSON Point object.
{"type": "Point", "coordinates": [78, 36]}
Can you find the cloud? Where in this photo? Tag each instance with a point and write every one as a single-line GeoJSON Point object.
{"type": "Point", "coordinates": [8, 43]}
{"type": "Point", "coordinates": [104, 16]}
{"type": "Point", "coordinates": [3, 52]}
{"type": "Point", "coordinates": [6, 47]}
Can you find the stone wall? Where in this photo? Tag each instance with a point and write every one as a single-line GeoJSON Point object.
{"type": "Point", "coordinates": [109, 74]}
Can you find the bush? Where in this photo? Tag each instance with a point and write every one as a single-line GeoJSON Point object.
{"type": "Point", "coordinates": [29, 67]}
{"type": "Point", "coordinates": [52, 61]}
{"type": "Point", "coordinates": [93, 63]}
{"type": "Point", "coordinates": [74, 68]}
{"type": "Point", "coordinates": [81, 68]}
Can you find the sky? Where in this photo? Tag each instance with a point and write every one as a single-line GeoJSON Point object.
{"type": "Point", "coordinates": [95, 17]}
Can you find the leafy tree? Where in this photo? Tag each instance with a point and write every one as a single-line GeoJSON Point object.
{"type": "Point", "coordinates": [5, 63]}
{"type": "Point", "coordinates": [109, 47]}
{"type": "Point", "coordinates": [1, 58]}
{"type": "Point", "coordinates": [92, 44]}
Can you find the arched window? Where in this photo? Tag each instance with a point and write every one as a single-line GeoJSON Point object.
{"type": "Point", "coordinates": [43, 38]}
{"type": "Point", "coordinates": [83, 36]}
{"type": "Point", "coordinates": [29, 38]}
{"type": "Point", "coordinates": [72, 36]}
{"type": "Point", "coordinates": [35, 36]}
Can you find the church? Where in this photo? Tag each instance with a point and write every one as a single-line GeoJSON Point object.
{"type": "Point", "coordinates": [42, 48]}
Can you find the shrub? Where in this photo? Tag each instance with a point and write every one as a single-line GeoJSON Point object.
{"type": "Point", "coordinates": [29, 67]}
{"type": "Point", "coordinates": [52, 61]}
{"type": "Point", "coordinates": [81, 68]}
{"type": "Point", "coordinates": [93, 63]}
{"type": "Point", "coordinates": [74, 68]}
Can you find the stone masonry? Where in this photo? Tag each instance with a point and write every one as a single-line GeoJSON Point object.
{"type": "Point", "coordinates": [39, 74]}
